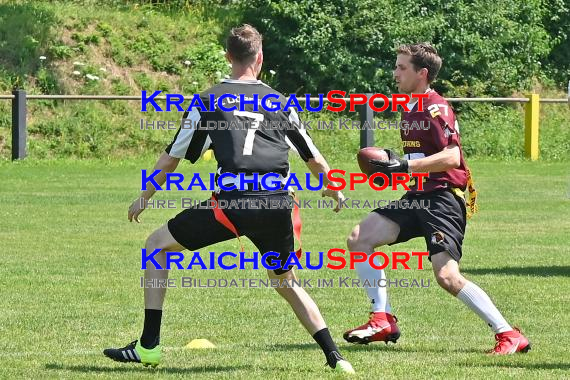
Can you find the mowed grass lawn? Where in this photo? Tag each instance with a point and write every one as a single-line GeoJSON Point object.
{"type": "Point", "coordinates": [71, 268]}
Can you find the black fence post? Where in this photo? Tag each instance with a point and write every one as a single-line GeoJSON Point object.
{"type": "Point", "coordinates": [366, 119]}
{"type": "Point", "coordinates": [19, 125]}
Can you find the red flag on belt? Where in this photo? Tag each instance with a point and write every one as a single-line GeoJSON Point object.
{"type": "Point", "coordinates": [296, 219]}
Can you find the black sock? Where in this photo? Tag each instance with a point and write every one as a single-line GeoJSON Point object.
{"type": "Point", "coordinates": [151, 332]}
{"type": "Point", "coordinates": [324, 339]}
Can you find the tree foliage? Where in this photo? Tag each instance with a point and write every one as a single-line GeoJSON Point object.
{"type": "Point", "coordinates": [489, 47]}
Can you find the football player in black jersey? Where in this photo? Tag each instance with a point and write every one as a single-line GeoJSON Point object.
{"type": "Point", "coordinates": [256, 149]}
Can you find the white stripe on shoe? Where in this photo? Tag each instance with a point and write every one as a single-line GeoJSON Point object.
{"type": "Point", "coordinates": [516, 346]}
{"type": "Point", "coordinates": [367, 333]}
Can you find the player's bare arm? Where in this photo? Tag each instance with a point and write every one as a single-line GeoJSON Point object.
{"type": "Point", "coordinates": [319, 165]}
{"type": "Point", "coordinates": [448, 158]}
{"type": "Point", "coordinates": [166, 164]}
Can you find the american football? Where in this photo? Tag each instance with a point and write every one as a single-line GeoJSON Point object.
{"type": "Point", "coordinates": [370, 153]}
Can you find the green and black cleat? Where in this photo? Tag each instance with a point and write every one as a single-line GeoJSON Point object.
{"type": "Point", "coordinates": [135, 353]}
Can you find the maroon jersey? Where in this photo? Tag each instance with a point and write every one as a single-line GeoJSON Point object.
{"type": "Point", "coordinates": [429, 132]}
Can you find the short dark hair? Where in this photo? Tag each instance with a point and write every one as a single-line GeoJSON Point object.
{"type": "Point", "coordinates": [243, 43]}
{"type": "Point", "coordinates": [423, 55]}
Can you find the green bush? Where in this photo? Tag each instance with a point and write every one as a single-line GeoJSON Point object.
{"type": "Point", "coordinates": [208, 59]}
{"type": "Point", "coordinates": [60, 51]}
{"type": "Point", "coordinates": [489, 48]}
{"type": "Point", "coordinates": [25, 36]}
{"type": "Point", "coordinates": [554, 141]}
{"type": "Point", "coordinates": [557, 23]}
{"type": "Point", "coordinates": [492, 131]}
{"type": "Point", "coordinates": [46, 81]}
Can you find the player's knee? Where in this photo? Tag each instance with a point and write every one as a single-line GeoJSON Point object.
{"type": "Point", "coordinates": [448, 280]}
{"type": "Point", "coordinates": [352, 239]}
{"type": "Point", "coordinates": [154, 241]}
{"type": "Point", "coordinates": [357, 242]}
{"type": "Point", "coordinates": [443, 279]}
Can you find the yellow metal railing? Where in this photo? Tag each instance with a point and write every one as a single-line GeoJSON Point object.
{"type": "Point", "coordinates": [531, 123]}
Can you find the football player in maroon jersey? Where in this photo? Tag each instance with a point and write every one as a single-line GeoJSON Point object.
{"type": "Point", "coordinates": [436, 150]}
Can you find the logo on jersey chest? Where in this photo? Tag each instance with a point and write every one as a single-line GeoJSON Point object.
{"type": "Point", "coordinates": [411, 144]}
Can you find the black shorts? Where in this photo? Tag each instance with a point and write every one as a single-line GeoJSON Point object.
{"type": "Point", "coordinates": [442, 224]}
{"type": "Point", "coordinates": [268, 229]}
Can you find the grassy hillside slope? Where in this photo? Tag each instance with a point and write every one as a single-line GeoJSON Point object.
{"type": "Point", "coordinates": [59, 47]}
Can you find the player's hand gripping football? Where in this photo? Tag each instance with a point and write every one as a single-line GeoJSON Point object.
{"type": "Point", "coordinates": [336, 195]}
{"type": "Point", "coordinates": [395, 164]}
{"type": "Point", "coordinates": [136, 208]}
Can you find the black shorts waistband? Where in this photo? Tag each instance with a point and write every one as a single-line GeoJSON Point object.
{"type": "Point", "coordinates": [252, 193]}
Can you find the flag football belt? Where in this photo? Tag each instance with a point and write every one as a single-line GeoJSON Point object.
{"type": "Point", "coordinates": [222, 218]}
{"type": "Point", "coordinates": [457, 191]}
{"type": "Point", "coordinates": [470, 201]}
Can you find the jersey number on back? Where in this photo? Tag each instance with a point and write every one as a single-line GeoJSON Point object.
{"type": "Point", "coordinates": [257, 118]}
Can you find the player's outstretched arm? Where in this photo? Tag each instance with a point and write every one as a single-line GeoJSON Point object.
{"type": "Point", "coordinates": [319, 165]}
{"type": "Point", "coordinates": [166, 164]}
{"type": "Point", "coordinates": [448, 158]}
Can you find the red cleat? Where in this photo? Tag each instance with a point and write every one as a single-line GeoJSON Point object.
{"type": "Point", "coordinates": [510, 342]}
{"type": "Point", "coordinates": [381, 327]}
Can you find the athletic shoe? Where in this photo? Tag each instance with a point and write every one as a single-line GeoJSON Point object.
{"type": "Point", "coordinates": [339, 364]}
{"type": "Point", "coordinates": [381, 327]}
{"type": "Point", "coordinates": [510, 342]}
{"type": "Point", "coordinates": [135, 353]}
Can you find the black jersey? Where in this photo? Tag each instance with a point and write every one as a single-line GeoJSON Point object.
{"type": "Point", "coordinates": [243, 141]}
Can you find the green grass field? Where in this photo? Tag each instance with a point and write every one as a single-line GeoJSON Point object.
{"type": "Point", "coordinates": [70, 284]}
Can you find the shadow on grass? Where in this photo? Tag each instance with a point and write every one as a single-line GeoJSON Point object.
{"type": "Point", "coordinates": [402, 349]}
{"type": "Point", "coordinates": [545, 366]}
{"type": "Point", "coordinates": [371, 348]}
{"type": "Point", "coordinates": [131, 369]}
{"type": "Point", "coordinates": [290, 346]}
{"type": "Point", "coordinates": [550, 271]}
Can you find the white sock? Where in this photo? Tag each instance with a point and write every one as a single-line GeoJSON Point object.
{"type": "Point", "coordinates": [378, 294]}
{"type": "Point", "coordinates": [478, 301]}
